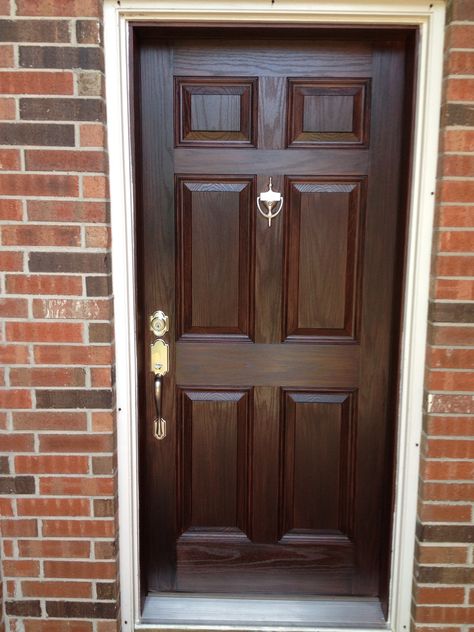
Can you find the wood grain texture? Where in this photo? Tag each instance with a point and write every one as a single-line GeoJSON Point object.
{"type": "Point", "coordinates": [323, 249]}
{"type": "Point", "coordinates": [272, 57]}
{"type": "Point", "coordinates": [216, 112]}
{"type": "Point", "coordinates": [214, 459]}
{"type": "Point", "coordinates": [215, 257]}
{"type": "Point", "coordinates": [328, 113]}
{"type": "Point", "coordinates": [156, 234]}
{"type": "Point", "coordinates": [267, 364]}
{"type": "Point", "coordinates": [232, 563]}
{"type": "Point", "coordinates": [319, 433]}
{"type": "Point", "coordinates": [301, 162]}
{"type": "Point", "coordinates": [283, 339]}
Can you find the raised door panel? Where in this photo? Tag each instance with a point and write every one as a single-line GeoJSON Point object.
{"type": "Point", "coordinates": [214, 458]}
{"type": "Point", "coordinates": [318, 470]}
{"type": "Point", "coordinates": [216, 112]}
{"type": "Point", "coordinates": [328, 112]}
{"type": "Point", "coordinates": [324, 226]}
{"type": "Point", "coordinates": [215, 258]}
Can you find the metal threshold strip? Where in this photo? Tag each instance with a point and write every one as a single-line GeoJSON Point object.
{"type": "Point", "coordinates": [173, 611]}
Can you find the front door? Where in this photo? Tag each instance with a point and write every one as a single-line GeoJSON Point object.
{"type": "Point", "coordinates": [272, 472]}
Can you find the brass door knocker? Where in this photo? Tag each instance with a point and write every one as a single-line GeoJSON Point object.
{"type": "Point", "coordinates": [271, 199]}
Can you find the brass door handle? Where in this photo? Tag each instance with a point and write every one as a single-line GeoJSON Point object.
{"type": "Point", "coordinates": [159, 424]}
{"type": "Point", "coordinates": [159, 357]}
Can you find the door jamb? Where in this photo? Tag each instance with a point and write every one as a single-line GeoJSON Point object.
{"type": "Point", "coordinates": [429, 18]}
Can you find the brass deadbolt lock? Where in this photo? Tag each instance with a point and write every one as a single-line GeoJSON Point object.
{"type": "Point", "coordinates": [159, 323]}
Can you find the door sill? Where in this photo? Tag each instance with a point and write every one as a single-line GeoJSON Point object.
{"type": "Point", "coordinates": [178, 611]}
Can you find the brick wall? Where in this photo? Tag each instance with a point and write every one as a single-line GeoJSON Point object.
{"type": "Point", "coordinates": [444, 572]}
{"type": "Point", "coordinates": [57, 463]}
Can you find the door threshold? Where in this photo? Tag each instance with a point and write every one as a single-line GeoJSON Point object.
{"type": "Point", "coordinates": [175, 611]}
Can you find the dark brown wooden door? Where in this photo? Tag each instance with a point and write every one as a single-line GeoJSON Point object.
{"type": "Point", "coordinates": [276, 472]}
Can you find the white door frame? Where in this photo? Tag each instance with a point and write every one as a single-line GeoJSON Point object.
{"type": "Point", "coordinates": [429, 17]}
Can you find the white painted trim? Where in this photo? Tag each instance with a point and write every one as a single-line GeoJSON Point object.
{"type": "Point", "coordinates": [429, 17]}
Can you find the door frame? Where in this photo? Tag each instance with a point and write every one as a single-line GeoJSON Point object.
{"type": "Point", "coordinates": [428, 16]}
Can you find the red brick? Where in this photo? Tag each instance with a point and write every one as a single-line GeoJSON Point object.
{"type": "Point", "coordinates": [79, 528]}
{"type": "Point", "coordinates": [446, 513]}
{"type": "Point", "coordinates": [59, 625]}
{"type": "Point", "coordinates": [20, 568]}
{"type": "Point", "coordinates": [92, 135]}
{"type": "Point", "coordinates": [455, 266]}
{"type": "Point", "coordinates": [11, 210]}
{"type": "Point", "coordinates": [105, 550]}
{"type": "Point", "coordinates": [18, 528]}
{"type": "Point", "coordinates": [91, 355]}
{"type": "Point", "coordinates": [454, 289]}
{"type": "Point", "coordinates": [53, 507]}
{"type": "Point", "coordinates": [456, 191]}
{"type": "Point", "coordinates": [446, 381]}
{"type": "Point", "coordinates": [53, 548]}
{"type": "Point", "coordinates": [44, 332]}
{"type": "Point", "coordinates": [17, 398]}
{"type": "Point", "coordinates": [33, 184]}
{"type": "Point", "coordinates": [52, 464]}
{"type": "Point", "coordinates": [13, 354]}
{"type": "Point", "coordinates": [444, 615]}
{"type": "Point", "coordinates": [461, 36]}
{"type": "Point", "coordinates": [7, 109]}
{"type": "Point", "coordinates": [452, 403]}
{"type": "Point", "coordinates": [7, 59]}
{"type": "Point", "coordinates": [77, 486]}
{"type": "Point", "coordinates": [6, 507]}
{"type": "Point", "coordinates": [95, 187]}
{"type": "Point", "coordinates": [56, 8]}
{"type": "Point", "coordinates": [451, 358]}
{"type": "Point", "coordinates": [48, 377]}
{"type": "Point", "coordinates": [13, 308]}
{"type": "Point", "coordinates": [103, 421]}
{"type": "Point", "coordinates": [460, 90]}
{"type": "Point", "coordinates": [11, 261]}
{"type": "Point", "coordinates": [458, 140]}
{"type": "Point", "coordinates": [57, 160]}
{"type": "Point", "coordinates": [9, 159]}
{"type": "Point", "coordinates": [37, 235]}
{"type": "Point", "coordinates": [66, 211]}
{"type": "Point", "coordinates": [450, 426]}
{"type": "Point", "coordinates": [449, 449]}
{"type": "Point", "coordinates": [47, 284]}
{"type": "Point", "coordinates": [81, 570]}
{"type": "Point", "coordinates": [63, 589]}
{"type": "Point", "coordinates": [456, 241]}
{"type": "Point", "coordinates": [31, 82]}
{"type": "Point", "coordinates": [76, 443]}
{"type": "Point", "coordinates": [50, 420]}
{"type": "Point", "coordinates": [98, 236]}
{"type": "Point", "coordinates": [102, 377]}
{"type": "Point", "coordinates": [451, 492]}
{"type": "Point", "coordinates": [461, 62]}
{"type": "Point", "coordinates": [458, 166]}
{"type": "Point", "coordinates": [87, 309]}
{"type": "Point", "coordinates": [108, 626]}
{"type": "Point", "coordinates": [448, 470]}
{"type": "Point", "coordinates": [444, 595]}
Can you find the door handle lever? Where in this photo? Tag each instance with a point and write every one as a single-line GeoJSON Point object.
{"type": "Point", "coordinates": [159, 366]}
{"type": "Point", "coordinates": [159, 424]}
